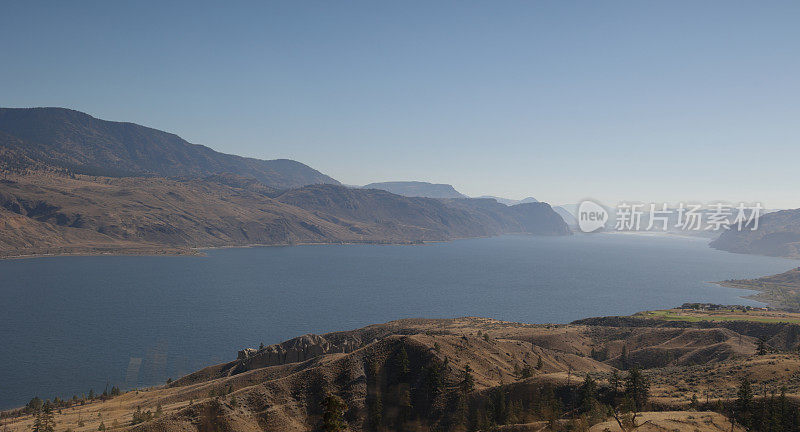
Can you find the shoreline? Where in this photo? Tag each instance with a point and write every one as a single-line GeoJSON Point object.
{"type": "Point", "coordinates": [198, 250]}
{"type": "Point", "coordinates": [753, 296]}
{"type": "Point", "coordinates": [760, 295]}
{"type": "Point", "coordinates": [124, 252]}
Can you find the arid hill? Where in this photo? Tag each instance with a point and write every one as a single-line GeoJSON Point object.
{"type": "Point", "coordinates": [469, 374]}
{"type": "Point", "coordinates": [55, 213]}
{"type": "Point", "coordinates": [778, 234]}
{"type": "Point", "coordinates": [73, 184]}
{"type": "Point", "coordinates": [82, 144]}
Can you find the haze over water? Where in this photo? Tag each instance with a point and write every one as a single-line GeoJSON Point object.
{"type": "Point", "coordinates": [75, 323]}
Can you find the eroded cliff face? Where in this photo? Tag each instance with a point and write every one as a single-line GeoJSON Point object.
{"type": "Point", "coordinates": [295, 350]}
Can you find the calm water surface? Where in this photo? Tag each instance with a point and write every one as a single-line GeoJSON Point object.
{"type": "Point", "coordinates": [69, 324]}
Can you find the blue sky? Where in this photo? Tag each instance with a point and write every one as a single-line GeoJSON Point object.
{"type": "Point", "coordinates": [560, 100]}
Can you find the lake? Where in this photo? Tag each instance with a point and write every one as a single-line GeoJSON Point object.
{"type": "Point", "coordinates": [74, 323]}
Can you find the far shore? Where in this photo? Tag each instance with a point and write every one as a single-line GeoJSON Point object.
{"type": "Point", "coordinates": [198, 250]}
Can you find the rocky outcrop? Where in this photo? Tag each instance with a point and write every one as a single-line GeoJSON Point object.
{"type": "Point", "coordinates": [294, 350]}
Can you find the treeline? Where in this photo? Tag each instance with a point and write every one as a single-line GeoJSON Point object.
{"type": "Point", "coordinates": [43, 410]}
{"type": "Point", "coordinates": [563, 407]}
{"type": "Point", "coordinates": [414, 394]}
{"type": "Point", "coordinates": [407, 394]}
{"type": "Point", "coordinates": [770, 412]}
{"type": "Point", "coordinates": [37, 405]}
{"type": "Point", "coordinates": [58, 403]}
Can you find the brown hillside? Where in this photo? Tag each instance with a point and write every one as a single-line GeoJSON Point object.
{"type": "Point", "coordinates": [281, 387]}
{"type": "Point", "coordinates": [54, 213]}
{"type": "Point", "coordinates": [80, 143]}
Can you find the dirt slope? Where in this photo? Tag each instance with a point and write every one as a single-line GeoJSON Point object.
{"type": "Point", "coordinates": [417, 368]}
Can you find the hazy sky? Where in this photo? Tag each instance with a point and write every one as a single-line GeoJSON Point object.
{"type": "Point", "coordinates": [560, 100]}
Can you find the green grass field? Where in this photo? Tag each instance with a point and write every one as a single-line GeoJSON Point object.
{"type": "Point", "coordinates": [672, 315]}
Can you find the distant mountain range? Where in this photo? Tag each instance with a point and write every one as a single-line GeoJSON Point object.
{"type": "Point", "coordinates": [510, 202]}
{"type": "Point", "coordinates": [434, 190]}
{"type": "Point", "coordinates": [565, 214]}
{"type": "Point", "coordinates": [75, 184]}
{"type": "Point", "coordinates": [417, 189]}
{"type": "Point", "coordinates": [82, 144]}
{"type": "Point", "coordinates": [778, 232]}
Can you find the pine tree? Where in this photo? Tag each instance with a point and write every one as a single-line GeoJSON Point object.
{"type": "Point", "coordinates": [405, 406]}
{"type": "Point", "coordinates": [48, 422]}
{"type": "Point", "coordinates": [744, 402]}
{"type": "Point", "coordinates": [762, 347]}
{"type": "Point", "coordinates": [333, 415]}
{"type": "Point", "coordinates": [37, 422]}
{"type": "Point", "coordinates": [614, 381]}
{"type": "Point", "coordinates": [374, 399]}
{"type": "Point", "coordinates": [624, 357]}
{"type": "Point", "coordinates": [467, 381]}
{"type": "Point", "coordinates": [140, 416]}
{"type": "Point", "coordinates": [434, 382]}
{"type": "Point", "coordinates": [550, 407]}
{"type": "Point", "coordinates": [774, 418]}
{"type": "Point", "coordinates": [588, 393]}
{"type": "Point", "coordinates": [137, 416]}
{"type": "Point", "coordinates": [402, 365]}
{"type": "Point", "coordinates": [44, 421]}
{"type": "Point", "coordinates": [637, 389]}
{"type": "Point", "coordinates": [539, 363]}
{"type": "Point", "coordinates": [496, 406]}
{"type": "Point", "coordinates": [375, 412]}
{"type": "Point", "coordinates": [34, 405]}
{"type": "Point", "coordinates": [695, 403]}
